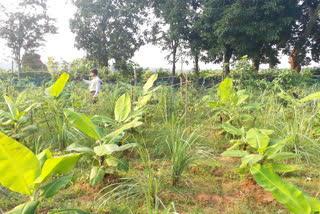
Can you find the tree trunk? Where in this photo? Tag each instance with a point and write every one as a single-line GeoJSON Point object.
{"type": "Point", "coordinates": [294, 62]}
{"type": "Point", "coordinates": [226, 61]}
{"type": "Point", "coordinates": [256, 63]}
{"type": "Point", "coordinates": [174, 59]}
{"type": "Point", "coordinates": [313, 16]}
{"type": "Point", "coordinates": [196, 69]}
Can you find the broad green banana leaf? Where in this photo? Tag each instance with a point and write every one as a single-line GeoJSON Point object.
{"type": "Point", "coordinates": [53, 188]}
{"type": "Point", "coordinates": [12, 108]}
{"type": "Point", "coordinates": [281, 156]}
{"type": "Point", "coordinates": [102, 119]}
{"type": "Point", "coordinates": [122, 108]}
{"type": "Point", "coordinates": [96, 175]}
{"type": "Point", "coordinates": [257, 139]}
{"type": "Point", "coordinates": [135, 123]}
{"type": "Point", "coordinates": [19, 167]}
{"type": "Point", "coordinates": [314, 96]}
{"type": "Point", "coordinates": [61, 165]}
{"type": "Point", "coordinates": [235, 153]}
{"type": "Point", "coordinates": [83, 123]}
{"type": "Point", "coordinates": [227, 93]}
{"type": "Point", "coordinates": [149, 83]}
{"type": "Point", "coordinates": [80, 149]}
{"type": "Point", "coordinates": [56, 89]}
{"type": "Point", "coordinates": [286, 193]}
{"type": "Point", "coordinates": [142, 101]}
{"type": "Point", "coordinates": [26, 208]}
{"type": "Point", "coordinates": [250, 159]}
{"type": "Point", "coordinates": [44, 156]}
{"type": "Point", "coordinates": [231, 129]}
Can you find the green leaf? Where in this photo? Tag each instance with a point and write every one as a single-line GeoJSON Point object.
{"type": "Point", "coordinates": [281, 156]}
{"type": "Point", "coordinates": [149, 83]}
{"type": "Point", "coordinates": [135, 123]}
{"type": "Point", "coordinates": [62, 164]}
{"type": "Point", "coordinates": [19, 167]}
{"type": "Point", "coordinates": [106, 149]}
{"type": "Point", "coordinates": [227, 93]}
{"type": "Point", "coordinates": [29, 108]}
{"type": "Point", "coordinates": [96, 175]}
{"type": "Point", "coordinates": [250, 159]}
{"type": "Point", "coordinates": [242, 97]}
{"type": "Point", "coordinates": [135, 114]}
{"type": "Point", "coordinates": [122, 108]}
{"type": "Point", "coordinates": [314, 203]}
{"type": "Point", "coordinates": [246, 117]}
{"type": "Point", "coordinates": [280, 167]}
{"type": "Point", "coordinates": [235, 153]}
{"type": "Point", "coordinates": [80, 149]}
{"type": "Point", "coordinates": [67, 211]}
{"type": "Point", "coordinates": [56, 89]}
{"type": "Point", "coordinates": [276, 147]}
{"type": "Point", "coordinates": [310, 97]}
{"type": "Point", "coordinates": [83, 123]}
{"type": "Point", "coordinates": [257, 139]}
{"type": "Point", "coordinates": [26, 208]}
{"type": "Point", "coordinates": [44, 156]}
{"type": "Point", "coordinates": [102, 119]}
{"type": "Point", "coordinates": [13, 110]}
{"type": "Point", "coordinates": [266, 131]}
{"type": "Point", "coordinates": [284, 192]}
{"type": "Point", "coordinates": [231, 129]}
{"type": "Point", "coordinates": [142, 101]}
{"type": "Point", "coordinates": [120, 164]}
{"type": "Point", "coordinates": [52, 188]}
{"type": "Point", "coordinates": [243, 170]}
{"type": "Point", "coordinates": [236, 146]}
{"type": "Point", "coordinates": [127, 146]}
{"type": "Point", "coordinates": [252, 106]}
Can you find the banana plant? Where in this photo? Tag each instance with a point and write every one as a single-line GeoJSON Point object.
{"type": "Point", "coordinates": [229, 105]}
{"type": "Point", "coordinates": [23, 172]}
{"type": "Point", "coordinates": [256, 146]}
{"type": "Point", "coordinates": [105, 144]}
{"type": "Point", "coordinates": [14, 122]}
{"type": "Point", "coordinates": [53, 103]}
{"type": "Point", "coordinates": [124, 111]}
{"type": "Point", "coordinates": [296, 200]}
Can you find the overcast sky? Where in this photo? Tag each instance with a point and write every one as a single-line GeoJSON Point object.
{"type": "Point", "coordinates": [61, 45]}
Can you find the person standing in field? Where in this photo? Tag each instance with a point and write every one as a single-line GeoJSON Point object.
{"type": "Point", "coordinates": [94, 85]}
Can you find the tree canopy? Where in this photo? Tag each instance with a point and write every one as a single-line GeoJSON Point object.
{"type": "Point", "coordinates": [24, 30]}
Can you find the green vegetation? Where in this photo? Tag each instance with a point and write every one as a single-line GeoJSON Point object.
{"type": "Point", "coordinates": [237, 140]}
{"type": "Point", "coordinates": [146, 149]}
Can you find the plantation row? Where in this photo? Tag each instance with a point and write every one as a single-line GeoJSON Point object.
{"type": "Point", "coordinates": [157, 149]}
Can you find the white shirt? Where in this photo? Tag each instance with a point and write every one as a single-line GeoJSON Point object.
{"type": "Point", "coordinates": [94, 85]}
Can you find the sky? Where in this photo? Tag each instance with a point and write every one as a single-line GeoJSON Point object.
{"type": "Point", "coordinates": [61, 45]}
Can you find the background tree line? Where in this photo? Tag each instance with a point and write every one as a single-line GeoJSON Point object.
{"type": "Point", "coordinates": [212, 31]}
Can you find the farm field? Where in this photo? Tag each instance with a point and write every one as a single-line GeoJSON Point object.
{"type": "Point", "coordinates": [159, 106]}
{"type": "Point", "coordinates": [237, 144]}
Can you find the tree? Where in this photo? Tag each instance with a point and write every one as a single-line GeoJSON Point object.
{"type": "Point", "coordinates": [305, 35]}
{"type": "Point", "coordinates": [253, 28]}
{"type": "Point", "coordinates": [171, 28]}
{"type": "Point", "coordinates": [109, 29]}
{"type": "Point", "coordinates": [24, 30]}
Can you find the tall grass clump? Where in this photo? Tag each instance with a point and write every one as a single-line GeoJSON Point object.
{"type": "Point", "coordinates": [142, 186]}
{"type": "Point", "coordinates": [180, 145]}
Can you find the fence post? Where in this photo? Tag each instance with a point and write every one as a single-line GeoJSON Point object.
{"type": "Point", "coordinates": [186, 106]}
{"type": "Point", "coordinates": [181, 73]}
